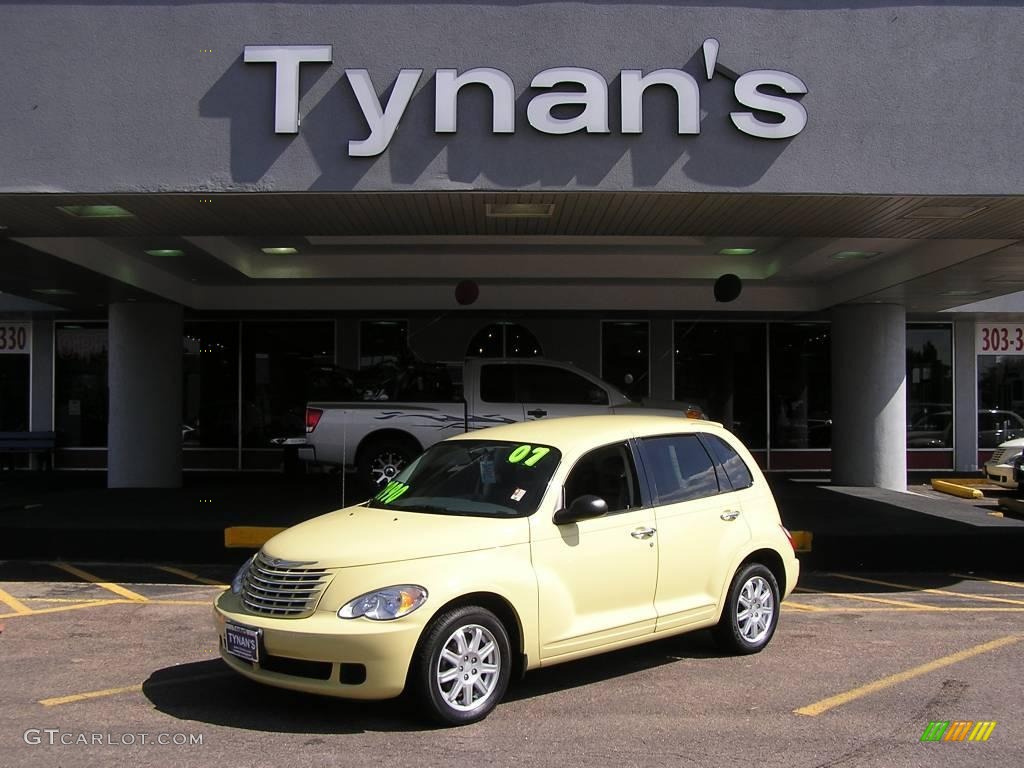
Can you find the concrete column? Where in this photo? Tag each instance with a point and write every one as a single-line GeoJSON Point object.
{"type": "Point", "coordinates": [869, 399]}
{"type": "Point", "coordinates": [662, 358]}
{"type": "Point", "coordinates": [41, 416]}
{"type": "Point", "coordinates": [965, 397]}
{"type": "Point", "coordinates": [145, 381]}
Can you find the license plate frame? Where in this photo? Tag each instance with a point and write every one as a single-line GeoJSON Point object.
{"type": "Point", "coordinates": [243, 642]}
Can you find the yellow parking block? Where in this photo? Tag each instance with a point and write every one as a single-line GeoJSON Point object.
{"type": "Point", "coordinates": [249, 536]}
{"type": "Point", "coordinates": [957, 489]}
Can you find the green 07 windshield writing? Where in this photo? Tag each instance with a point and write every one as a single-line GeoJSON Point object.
{"type": "Point", "coordinates": [535, 454]}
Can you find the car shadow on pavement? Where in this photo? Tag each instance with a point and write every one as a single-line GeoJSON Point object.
{"type": "Point", "coordinates": [209, 692]}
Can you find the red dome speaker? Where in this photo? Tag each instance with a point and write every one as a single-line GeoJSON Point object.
{"type": "Point", "coordinates": [466, 292]}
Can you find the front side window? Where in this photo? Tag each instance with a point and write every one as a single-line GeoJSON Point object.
{"type": "Point", "coordinates": [680, 467]}
{"type": "Point", "coordinates": [479, 478]}
{"type": "Point", "coordinates": [608, 473]}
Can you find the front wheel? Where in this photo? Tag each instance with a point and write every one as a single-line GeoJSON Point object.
{"type": "Point", "coordinates": [462, 667]}
{"type": "Point", "coordinates": [751, 611]}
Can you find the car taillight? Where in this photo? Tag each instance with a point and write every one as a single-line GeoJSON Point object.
{"type": "Point", "coordinates": [313, 418]}
{"type": "Point", "coordinates": [789, 536]}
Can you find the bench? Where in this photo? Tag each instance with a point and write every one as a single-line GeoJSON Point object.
{"type": "Point", "coordinates": [27, 442]}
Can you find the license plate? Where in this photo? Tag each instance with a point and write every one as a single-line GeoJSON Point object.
{"type": "Point", "coordinates": [242, 642]}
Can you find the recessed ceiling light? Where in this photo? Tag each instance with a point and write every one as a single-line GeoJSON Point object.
{"type": "Point", "coordinates": [520, 210]}
{"type": "Point", "coordinates": [96, 211]}
{"type": "Point", "coordinates": [944, 212]}
{"type": "Point", "coordinates": [280, 251]}
{"type": "Point", "coordinates": [737, 251]}
{"type": "Point", "coordinates": [845, 255]}
{"type": "Point", "coordinates": [54, 291]}
{"type": "Point", "coordinates": [165, 252]}
{"type": "Point", "coordinates": [962, 292]}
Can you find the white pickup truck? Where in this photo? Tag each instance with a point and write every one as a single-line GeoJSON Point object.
{"type": "Point", "coordinates": [378, 438]}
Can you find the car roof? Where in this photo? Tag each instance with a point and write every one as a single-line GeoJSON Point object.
{"type": "Point", "coordinates": [577, 434]}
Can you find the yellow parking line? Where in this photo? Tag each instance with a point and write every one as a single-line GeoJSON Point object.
{"type": "Point", "coordinates": [189, 575]}
{"type": "Point", "coordinates": [72, 698]}
{"type": "Point", "coordinates": [117, 589]}
{"type": "Point", "coordinates": [58, 700]}
{"type": "Point", "coordinates": [929, 590]}
{"type": "Point", "coordinates": [801, 606]}
{"type": "Point", "coordinates": [61, 608]}
{"type": "Point", "coordinates": [839, 699]}
{"type": "Point", "coordinates": [914, 606]}
{"type": "Point", "coordinates": [1016, 584]}
{"type": "Point", "coordinates": [12, 602]}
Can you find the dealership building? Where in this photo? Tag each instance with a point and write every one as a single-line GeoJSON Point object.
{"type": "Point", "coordinates": [808, 217]}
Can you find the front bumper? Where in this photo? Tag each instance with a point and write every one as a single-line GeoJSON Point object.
{"type": "Point", "coordinates": [314, 654]}
{"type": "Point", "coordinates": [1002, 474]}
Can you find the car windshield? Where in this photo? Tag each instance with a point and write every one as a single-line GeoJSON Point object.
{"type": "Point", "coordinates": [481, 478]}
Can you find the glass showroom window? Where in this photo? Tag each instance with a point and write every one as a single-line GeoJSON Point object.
{"type": "Point", "coordinates": [382, 341]}
{"type": "Point", "coordinates": [279, 360]}
{"type": "Point", "coordinates": [626, 356]}
{"type": "Point", "coordinates": [929, 386]}
{"type": "Point", "coordinates": [14, 392]}
{"type": "Point", "coordinates": [801, 385]}
{"type": "Point", "coordinates": [210, 398]}
{"type": "Point", "coordinates": [721, 367]}
{"type": "Point", "coordinates": [80, 385]}
{"type": "Point", "coordinates": [504, 340]}
{"type": "Point", "coordinates": [1000, 399]}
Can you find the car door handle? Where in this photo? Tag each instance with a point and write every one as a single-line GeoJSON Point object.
{"type": "Point", "coordinates": [730, 514]}
{"type": "Point", "coordinates": [643, 533]}
{"type": "Point", "coordinates": [537, 413]}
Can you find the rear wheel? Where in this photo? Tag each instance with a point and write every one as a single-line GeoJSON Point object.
{"type": "Point", "coordinates": [382, 459]}
{"type": "Point", "coordinates": [462, 666]}
{"type": "Point", "coordinates": [751, 611]}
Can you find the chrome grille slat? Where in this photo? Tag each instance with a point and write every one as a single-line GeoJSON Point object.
{"type": "Point", "coordinates": [289, 584]}
{"type": "Point", "coordinates": [274, 590]}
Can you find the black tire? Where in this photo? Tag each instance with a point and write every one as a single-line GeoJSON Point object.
{"type": "Point", "coordinates": [737, 636]}
{"type": "Point", "coordinates": [431, 694]}
{"type": "Point", "coordinates": [381, 458]}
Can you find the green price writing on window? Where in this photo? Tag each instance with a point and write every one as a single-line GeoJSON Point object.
{"type": "Point", "coordinates": [391, 492]}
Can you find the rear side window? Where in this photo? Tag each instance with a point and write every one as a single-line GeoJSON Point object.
{"type": "Point", "coordinates": [498, 384]}
{"type": "Point", "coordinates": [680, 467]}
{"type": "Point", "coordinates": [736, 471]}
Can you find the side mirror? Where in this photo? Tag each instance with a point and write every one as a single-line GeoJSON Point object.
{"type": "Point", "coordinates": [582, 508]}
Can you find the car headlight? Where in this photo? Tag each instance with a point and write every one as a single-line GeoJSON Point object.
{"type": "Point", "coordinates": [236, 583]}
{"type": "Point", "coordinates": [385, 604]}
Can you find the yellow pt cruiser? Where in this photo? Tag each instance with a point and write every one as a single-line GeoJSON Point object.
{"type": "Point", "coordinates": [513, 548]}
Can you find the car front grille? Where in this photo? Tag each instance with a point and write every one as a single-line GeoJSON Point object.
{"type": "Point", "coordinates": [275, 587]}
{"type": "Point", "coordinates": [1004, 455]}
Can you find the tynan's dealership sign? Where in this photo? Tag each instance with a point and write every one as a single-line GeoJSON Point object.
{"type": "Point", "coordinates": [591, 97]}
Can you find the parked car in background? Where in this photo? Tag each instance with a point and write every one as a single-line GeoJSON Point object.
{"type": "Point", "coordinates": [935, 430]}
{"type": "Point", "coordinates": [508, 549]}
{"type": "Point", "coordinates": [1003, 468]}
{"type": "Point", "coordinates": [416, 406]}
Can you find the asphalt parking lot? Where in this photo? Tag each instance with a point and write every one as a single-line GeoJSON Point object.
{"type": "Point", "coordinates": [117, 665]}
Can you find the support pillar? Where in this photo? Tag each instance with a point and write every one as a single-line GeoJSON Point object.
{"type": "Point", "coordinates": [965, 397]}
{"type": "Point", "coordinates": [869, 402]}
{"type": "Point", "coordinates": [145, 381]}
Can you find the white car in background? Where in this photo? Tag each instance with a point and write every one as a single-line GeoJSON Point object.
{"type": "Point", "coordinates": [1001, 468]}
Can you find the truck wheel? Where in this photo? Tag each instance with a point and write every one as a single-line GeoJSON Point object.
{"type": "Point", "coordinates": [381, 459]}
